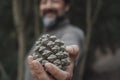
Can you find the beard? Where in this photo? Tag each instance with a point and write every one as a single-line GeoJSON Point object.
{"type": "Point", "coordinates": [49, 22]}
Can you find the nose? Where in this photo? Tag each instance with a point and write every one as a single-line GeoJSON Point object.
{"type": "Point", "coordinates": [49, 4]}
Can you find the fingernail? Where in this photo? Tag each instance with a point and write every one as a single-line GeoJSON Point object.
{"type": "Point", "coordinates": [69, 48]}
{"type": "Point", "coordinates": [48, 65]}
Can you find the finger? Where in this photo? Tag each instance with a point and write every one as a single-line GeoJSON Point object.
{"type": "Point", "coordinates": [37, 67]}
{"type": "Point", "coordinates": [56, 72]}
{"type": "Point", "coordinates": [38, 71]}
{"type": "Point", "coordinates": [30, 59]}
{"type": "Point", "coordinates": [70, 68]}
{"type": "Point", "coordinates": [73, 50]}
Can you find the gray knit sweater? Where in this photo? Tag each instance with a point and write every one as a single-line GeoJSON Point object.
{"type": "Point", "coordinates": [71, 35]}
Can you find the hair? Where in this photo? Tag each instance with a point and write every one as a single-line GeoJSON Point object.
{"type": "Point", "coordinates": [66, 1]}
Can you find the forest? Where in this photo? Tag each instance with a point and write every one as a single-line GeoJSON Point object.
{"type": "Point", "coordinates": [20, 26]}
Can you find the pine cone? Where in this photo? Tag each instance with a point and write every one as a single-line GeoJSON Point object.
{"type": "Point", "coordinates": [50, 49]}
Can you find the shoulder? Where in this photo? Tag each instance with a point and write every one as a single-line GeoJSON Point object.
{"type": "Point", "coordinates": [74, 30]}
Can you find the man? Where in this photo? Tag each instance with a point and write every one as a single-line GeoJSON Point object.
{"type": "Point", "coordinates": [53, 13]}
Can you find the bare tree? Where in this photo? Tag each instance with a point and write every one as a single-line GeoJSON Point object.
{"type": "Point", "coordinates": [88, 36]}
{"type": "Point", "coordinates": [4, 75]}
{"type": "Point", "coordinates": [36, 19]}
{"type": "Point", "coordinates": [19, 25]}
{"type": "Point", "coordinates": [90, 21]}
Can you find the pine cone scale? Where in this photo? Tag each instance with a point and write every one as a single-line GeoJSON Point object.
{"type": "Point", "coordinates": [50, 49]}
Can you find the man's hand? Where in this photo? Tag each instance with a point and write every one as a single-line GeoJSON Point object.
{"type": "Point", "coordinates": [40, 74]}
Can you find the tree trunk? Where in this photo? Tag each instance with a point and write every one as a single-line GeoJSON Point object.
{"type": "Point", "coordinates": [19, 24]}
{"type": "Point", "coordinates": [4, 75]}
{"type": "Point", "coordinates": [27, 8]}
{"type": "Point", "coordinates": [90, 21]}
{"type": "Point", "coordinates": [88, 36]}
{"type": "Point", "coordinates": [36, 19]}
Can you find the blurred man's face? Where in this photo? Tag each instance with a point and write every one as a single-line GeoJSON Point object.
{"type": "Point", "coordinates": [50, 10]}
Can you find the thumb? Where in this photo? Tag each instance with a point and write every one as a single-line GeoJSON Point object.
{"type": "Point", "coordinates": [73, 50]}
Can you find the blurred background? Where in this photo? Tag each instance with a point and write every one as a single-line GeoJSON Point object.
{"type": "Point", "coordinates": [20, 26]}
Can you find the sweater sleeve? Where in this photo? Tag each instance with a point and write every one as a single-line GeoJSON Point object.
{"type": "Point", "coordinates": [74, 36]}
